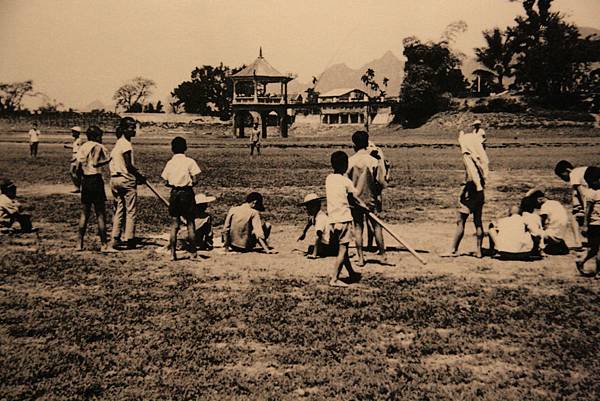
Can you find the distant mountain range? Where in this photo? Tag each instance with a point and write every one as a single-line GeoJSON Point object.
{"type": "Point", "coordinates": [389, 65]}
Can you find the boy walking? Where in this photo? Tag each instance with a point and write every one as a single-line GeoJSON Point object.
{"type": "Point", "coordinates": [575, 177]}
{"type": "Point", "coordinates": [91, 156]}
{"type": "Point", "coordinates": [76, 134]}
{"type": "Point", "coordinates": [255, 139]}
{"type": "Point", "coordinates": [368, 177]}
{"type": "Point", "coordinates": [34, 140]}
{"type": "Point", "coordinates": [181, 175]}
{"type": "Point", "coordinates": [124, 177]}
{"type": "Point", "coordinates": [340, 192]}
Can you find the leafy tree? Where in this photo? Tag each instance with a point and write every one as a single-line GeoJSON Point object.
{"type": "Point", "coordinates": [552, 58]}
{"type": "Point", "coordinates": [209, 92]}
{"type": "Point", "coordinates": [11, 95]}
{"type": "Point", "coordinates": [431, 74]}
{"type": "Point", "coordinates": [132, 95]}
{"type": "Point", "coordinates": [497, 56]}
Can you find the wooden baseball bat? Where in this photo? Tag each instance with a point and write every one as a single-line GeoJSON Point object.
{"type": "Point", "coordinates": [397, 238]}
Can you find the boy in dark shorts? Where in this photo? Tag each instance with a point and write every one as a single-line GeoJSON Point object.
{"type": "Point", "coordinates": [470, 202]}
{"type": "Point", "coordinates": [340, 193]}
{"type": "Point", "coordinates": [181, 175]}
{"type": "Point", "coordinates": [91, 156]}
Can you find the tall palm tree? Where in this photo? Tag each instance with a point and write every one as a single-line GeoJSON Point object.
{"type": "Point", "coordinates": [497, 55]}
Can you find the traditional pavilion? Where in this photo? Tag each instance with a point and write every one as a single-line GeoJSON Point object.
{"type": "Point", "coordinates": [258, 90]}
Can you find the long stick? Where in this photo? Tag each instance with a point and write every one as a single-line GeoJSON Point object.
{"type": "Point", "coordinates": [397, 238]}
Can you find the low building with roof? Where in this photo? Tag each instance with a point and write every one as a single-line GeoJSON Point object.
{"type": "Point", "coordinates": [343, 106]}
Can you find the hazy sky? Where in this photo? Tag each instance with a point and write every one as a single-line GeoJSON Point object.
{"type": "Point", "coordinates": [80, 51]}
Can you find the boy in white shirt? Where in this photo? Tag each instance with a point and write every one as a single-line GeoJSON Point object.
{"type": "Point", "coordinates": [181, 175]}
{"type": "Point", "coordinates": [34, 140]}
{"type": "Point", "coordinates": [340, 192]}
{"type": "Point", "coordinates": [555, 222]}
{"type": "Point", "coordinates": [77, 141]}
{"type": "Point", "coordinates": [255, 139]}
{"type": "Point", "coordinates": [512, 237]}
{"type": "Point", "coordinates": [91, 156]}
{"type": "Point", "coordinates": [575, 177]}
{"type": "Point", "coordinates": [124, 178]}
{"type": "Point", "coordinates": [322, 245]}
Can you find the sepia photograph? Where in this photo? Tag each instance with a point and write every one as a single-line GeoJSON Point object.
{"type": "Point", "coordinates": [300, 200]}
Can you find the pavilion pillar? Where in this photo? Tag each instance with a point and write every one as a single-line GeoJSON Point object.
{"type": "Point", "coordinates": [263, 121]}
{"type": "Point", "coordinates": [234, 123]}
{"type": "Point", "coordinates": [283, 126]}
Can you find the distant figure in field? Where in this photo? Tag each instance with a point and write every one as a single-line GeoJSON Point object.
{"type": "Point", "coordinates": [591, 225]}
{"type": "Point", "coordinates": [243, 228]}
{"type": "Point", "coordinates": [124, 178]}
{"type": "Point", "coordinates": [368, 177]}
{"type": "Point", "coordinates": [472, 198]}
{"type": "Point", "coordinates": [11, 210]}
{"type": "Point", "coordinates": [255, 139]}
{"type": "Point", "coordinates": [77, 141]}
{"type": "Point", "coordinates": [91, 157]}
{"type": "Point", "coordinates": [34, 140]}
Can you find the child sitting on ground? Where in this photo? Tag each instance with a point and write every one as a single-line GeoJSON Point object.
{"type": "Point", "coordinates": [203, 223]}
{"type": "Point", "coordinates": [512, 237]}
{"type": "Point", "coordinates": [316, 217]}
{"type": "Point", "coordinates": [11, 211]}
{"type": "Point", "coordinates": [340, 192]}
{"type": "Point", "coordinates": [592, 222]}
{"type": "Point", "coordinates": [91, 157]}
{"type": "Point", "coordinates": [181, 175]}
{"type": "Point", "coordinates": [244, 229]}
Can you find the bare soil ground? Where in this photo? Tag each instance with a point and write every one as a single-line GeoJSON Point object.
{"type": "Point", "coordinates": [134, 325]}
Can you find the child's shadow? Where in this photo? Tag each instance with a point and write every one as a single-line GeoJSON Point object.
{"type": "Point", "coordinates": [352, 279]}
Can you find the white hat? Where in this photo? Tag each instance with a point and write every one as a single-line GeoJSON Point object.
{"type": "Point", "coordinates": [76, 128]}
{"type": "Point", "coordinates": [477, 122]}
{"type": "Point", "coordinates": [201, 198]}
{"type": "Point", "coordinates": [311, 197]}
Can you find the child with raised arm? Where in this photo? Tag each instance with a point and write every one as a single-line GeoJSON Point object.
{"type": "Point", "coordinates": [181, 175]}
{"type": "Point", "coordinates": [340, 193]}
{"type": "Point", "coordinates": [91, 157]}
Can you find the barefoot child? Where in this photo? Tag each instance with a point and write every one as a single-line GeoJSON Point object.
{"type": "Point", "coordinates": [340, 192]}
{"type": "Point", "coordinates": [181, 175]}
{"type": "Point", "coordinates": [472, 196]}
{"type": "Point", "coordinates": [11, 211]}
{"type": "Point", "coordinates": [575, 177]}
{"type": "Point", "coordinates": [91, 156]}
{"type": "Point", "coordinates": [203, 222]}
{"type": "Point", "coordinates": [592, 222]}
{"type": "Point", "coordinates": [244, 229]}
{"type": "Point", "coordinates": [316, 217]}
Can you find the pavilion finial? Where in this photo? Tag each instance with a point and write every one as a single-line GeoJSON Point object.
{"type": "Point", "coordinates": [260, 52]}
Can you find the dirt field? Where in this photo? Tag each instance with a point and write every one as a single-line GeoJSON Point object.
{"type": "Point", "coordinates": [134, 325]}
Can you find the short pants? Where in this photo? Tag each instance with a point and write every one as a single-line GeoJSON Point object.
{"type": "Point", "coordinates": [470, 204]}
{"type": "Point", "coordinates": [341, 233]}
{"type": "Point", "coordinates": [182, 202]}
{"type": "Point", "coordinates": [92, 190]}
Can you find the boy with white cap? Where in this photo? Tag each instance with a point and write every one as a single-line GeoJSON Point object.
{"type": "Point", "coordinates": [77, 141]}
{"type": "Point", "coordinates": [203, 222]}
{"type": "Point", "coordinates": [477, 130]}
{"type": "Point", "coordinates": [323, 246]}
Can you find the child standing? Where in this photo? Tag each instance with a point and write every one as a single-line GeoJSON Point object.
{"type": "Point", "coordinates": [11, 210]}
{"type": "Point", "coordinates": [34, 140]}
{"type": "Point", "coordinates": [592, 221]}
{"type": "Point", "coordinates": [181, 175]}
{"type": "Point", "coordinates": [340, 192]}
{"type": "Point", "coordinates": [91, 156]}
{"type": "Point", "coordinates": [76, 134]}
{"type": "Point", "coordinates": [255, 139]}
{"type": "Point", "coordinates": [316, 217]}
{"type": "Point", "coordinates": [575, 177]}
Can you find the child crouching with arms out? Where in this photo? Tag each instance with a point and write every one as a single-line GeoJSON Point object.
{"type": "Point", "coordinates": [181, 175]}
{"type": "Point", "coordinates": [322, 245]}
{"type": "Point", "coordinates": [340, 192]}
